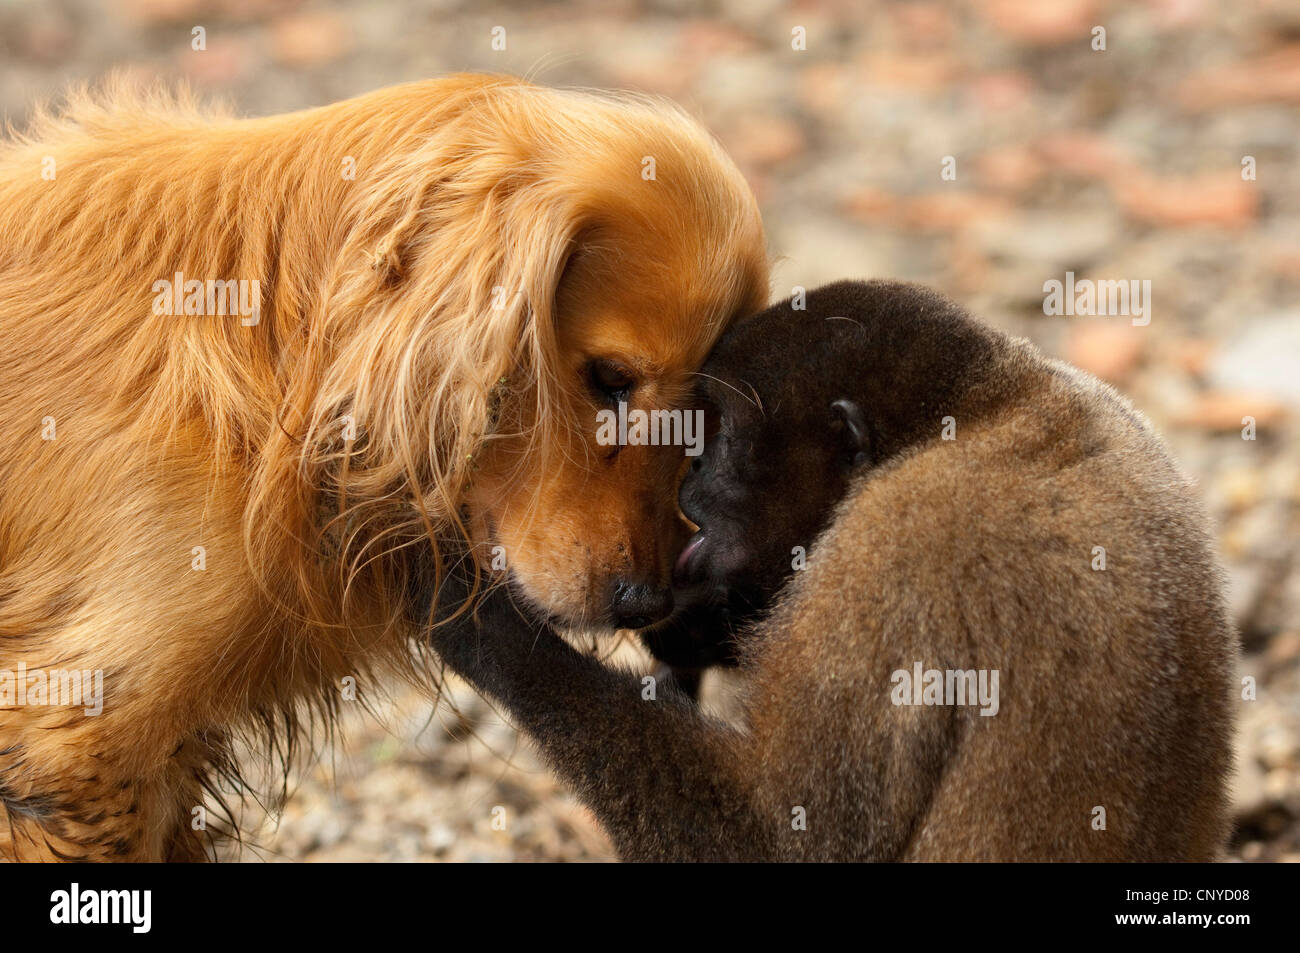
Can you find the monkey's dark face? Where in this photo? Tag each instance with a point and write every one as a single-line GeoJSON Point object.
{"type": "Point", "coordinates": [783, 443]}
{"type": "Point", "coordinates": [760, 493]}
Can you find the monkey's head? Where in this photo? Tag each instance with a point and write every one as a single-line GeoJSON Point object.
{"type": "Point", "coordinates": [785, 433]}
{"type": "Point", "coordinates": [798, 401]}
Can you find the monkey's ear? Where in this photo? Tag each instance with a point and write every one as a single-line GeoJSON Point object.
{"type": "Point", "coordinates": [856, 432]}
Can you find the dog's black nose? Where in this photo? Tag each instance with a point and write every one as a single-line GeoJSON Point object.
{"type": "Point", "coordinates": [637, 605]}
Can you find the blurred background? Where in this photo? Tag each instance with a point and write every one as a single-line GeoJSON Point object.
{"type": "Point", "coordinates": [1172, 155]}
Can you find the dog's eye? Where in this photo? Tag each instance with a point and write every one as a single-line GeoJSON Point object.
{"type": "Point", "coordinates": [609, 381]}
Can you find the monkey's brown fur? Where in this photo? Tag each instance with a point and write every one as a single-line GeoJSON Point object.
{"type": "Point", "coordinates": [972, 553]}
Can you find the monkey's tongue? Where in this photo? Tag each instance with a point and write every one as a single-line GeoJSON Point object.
{"type": "Point", "coordinates": [682, 568]}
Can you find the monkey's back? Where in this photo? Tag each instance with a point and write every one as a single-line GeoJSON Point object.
{"type": "Point", "coordinates": [1111, 739]}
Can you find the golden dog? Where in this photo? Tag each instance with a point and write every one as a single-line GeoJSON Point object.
{"type": "Point", "coordinates": [249, 367]}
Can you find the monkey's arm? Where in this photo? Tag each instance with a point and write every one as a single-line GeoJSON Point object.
{"type": "Point", "coordinates": [661, 776]}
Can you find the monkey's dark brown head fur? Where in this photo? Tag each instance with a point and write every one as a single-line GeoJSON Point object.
{"type": "Point", "coordinates": [797, 401]}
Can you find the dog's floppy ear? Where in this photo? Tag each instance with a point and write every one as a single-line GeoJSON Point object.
{"type": "Point", "coordinates": [440, 313]}
{"type": "Point", "coordinates": [483, 245]}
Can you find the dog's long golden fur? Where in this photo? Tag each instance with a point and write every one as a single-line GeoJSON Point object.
{"type": "Point", "coordinates": [438, 263]}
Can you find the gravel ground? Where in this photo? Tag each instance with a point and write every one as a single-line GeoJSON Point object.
{"type": "Point", "coordinates": [1118, 163]}
{"type": "Point", "coordinates": [457, 785]}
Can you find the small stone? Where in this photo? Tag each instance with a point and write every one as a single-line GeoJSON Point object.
{"type": "Point", "coordinates": [1011, 168]}
{"type": "Point", "coordinates": [1240, 487]}
{"type": "Point", "coordinates": [1277, 788]}
{"type": "Point", "coordinates": [1108, 350]}
{"type": "Point", "coordinates": [705, 39]}
{"type": "Point", "coordinates": [1062, 240]}
{"type": "Point", "coordinates": [1274, 77]}
{"type": "Point", "coordinates": [1223, 411]}
{"type": "Point", "coordinates": [917, 72]}
{"type": "Point", "coordinates": [1192, 355]}
{"type": "Point", "coordinates": [1219, 198]}
{"type": "Point", "coordinates": [1042, 24]}
{"type": "Point", "coordinates": [1001, 91]}
{"type": "Point", "coordinates": [645, 61]}
{"type": "Point", "coordinates": [161, 11]}
{"type": "Point", "coordinates": [1084, 154]}
{"type": "Point", "coordinates": [1245, 584]}
{"type": "Point", "coordinates": [309, 39]}
{"type": "Point", "coordinates": [765, 140]}
{"type": "Point", "coordinates": [1264, 359]}
{"type": "Point", "coordinates": [1276, 747]}
{"type": "Point", "coordinates": [951, 211]}
{"type": "Point", "coordinates": [824, 88]}
{"type": "Point", "coordinates": [224, 62]}
{"type": "Point", "coordinates": [1248, 795]}
{"type": "Point", "coordinates": [1284, 648]}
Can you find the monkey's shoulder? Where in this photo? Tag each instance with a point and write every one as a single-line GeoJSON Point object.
{"type": "Point", "coordinates": [1003, 513]}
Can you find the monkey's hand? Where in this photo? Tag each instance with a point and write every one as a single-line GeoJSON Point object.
{"type": "Point", "coordinates": [695, 638]}
{"type": "Point", "coordinates": [463, 606]}
{"type": "Point", "coordinates": [486, 640]}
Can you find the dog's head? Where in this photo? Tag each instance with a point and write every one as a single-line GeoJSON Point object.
{"type": "Point", "coordinates": [534, 258]}
{"type": "Point", "coordinates": [666, 250]}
